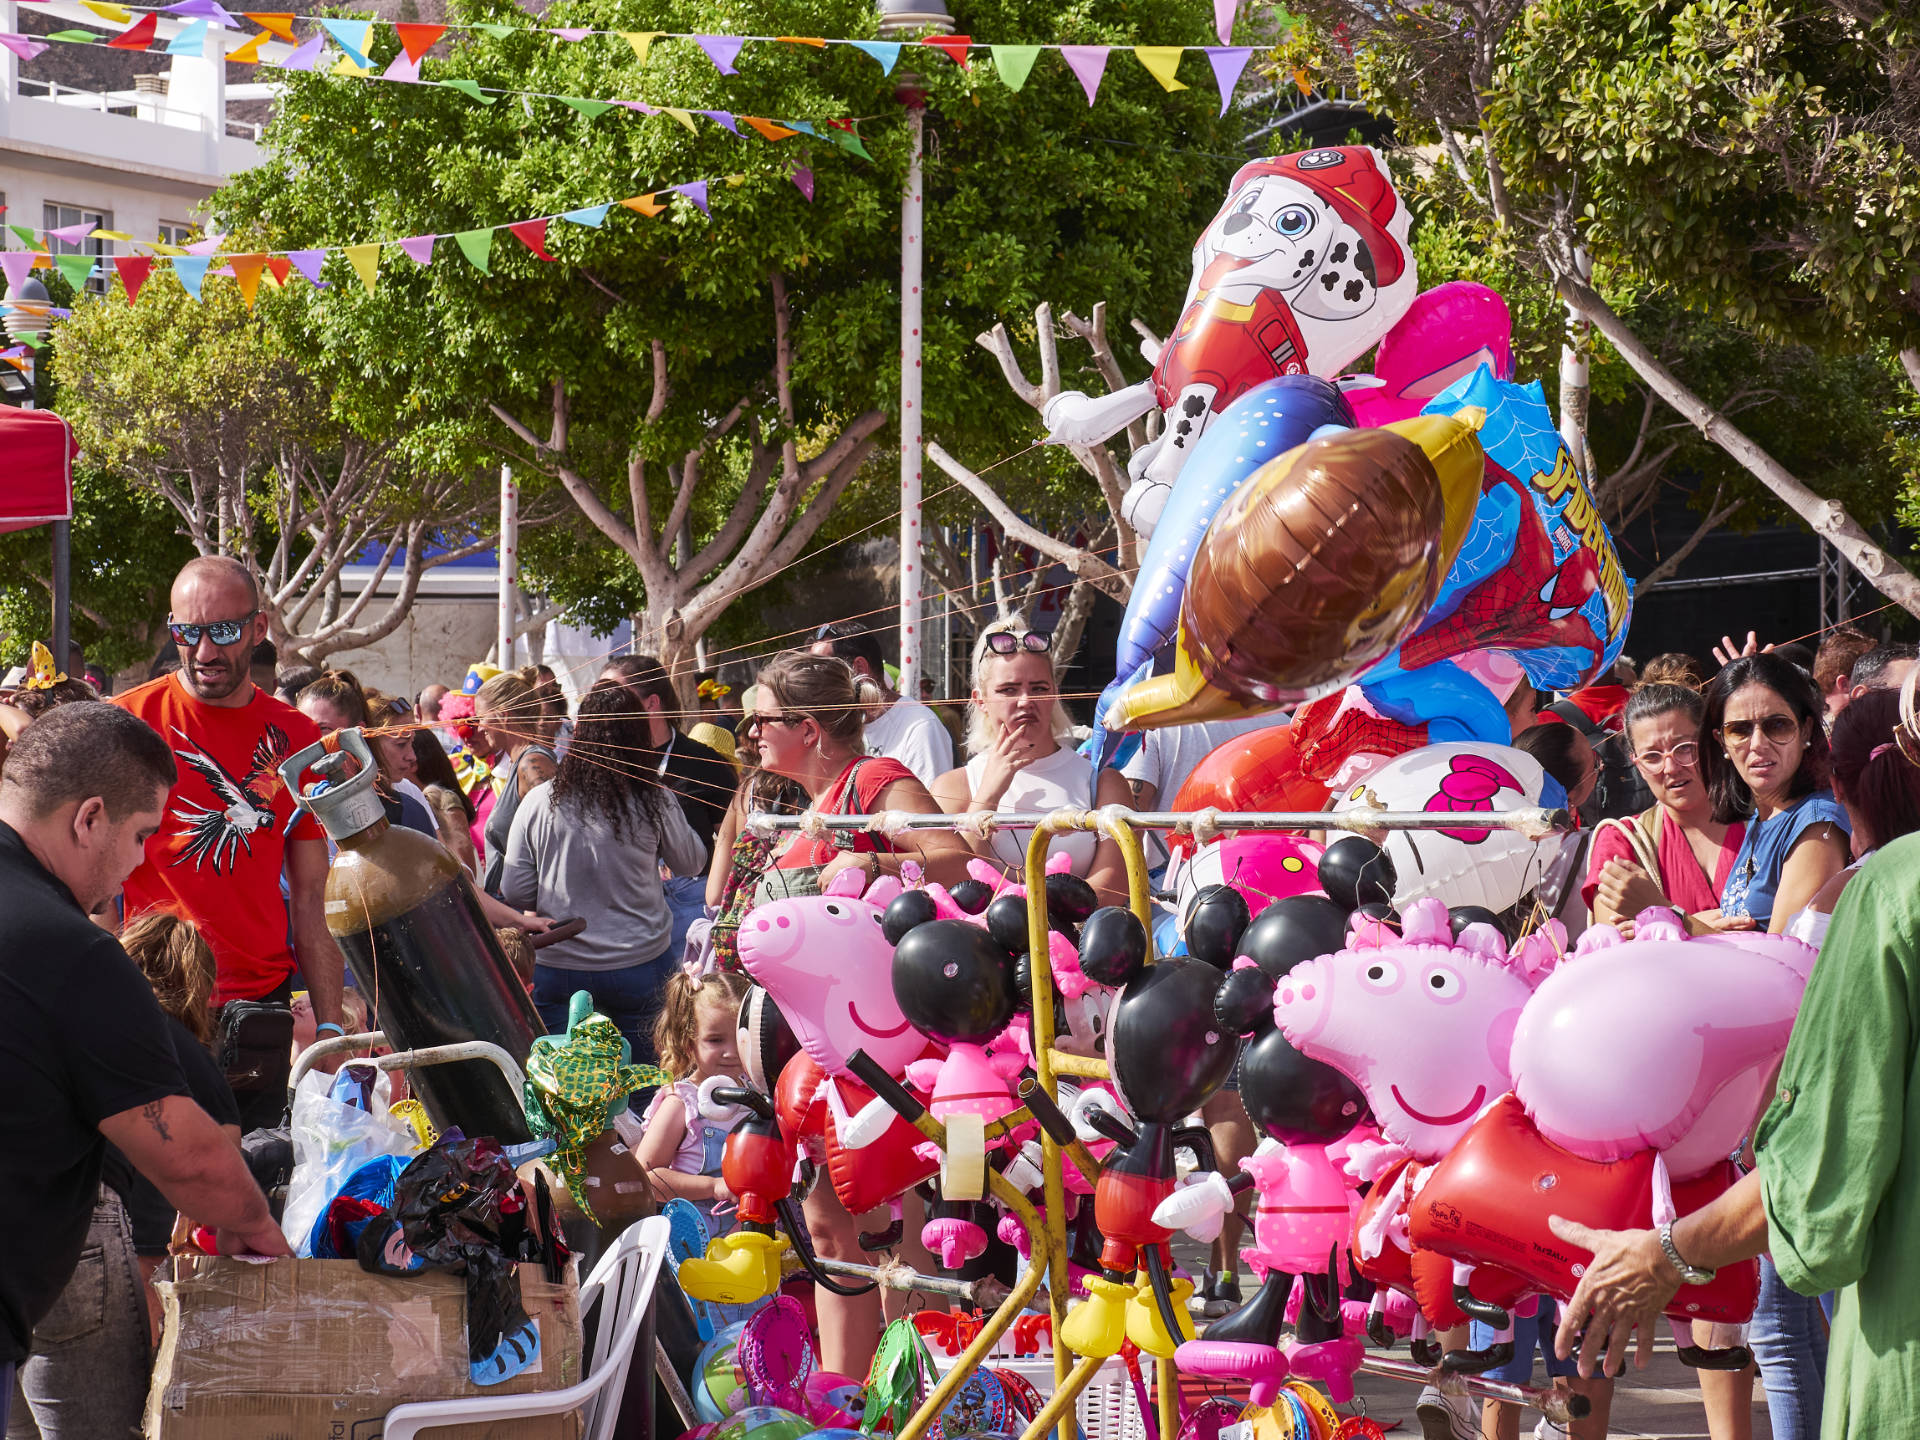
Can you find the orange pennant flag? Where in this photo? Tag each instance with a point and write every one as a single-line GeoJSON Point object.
{"type": "Point", "coordinates": [769, 129]}
{"type": "Point", "coordinates": [645, 204]}
{"type": "Point", "coordinates": [249, 53]}
{"type": "Point", "coordinates": [274, 22]}
{"type": "Point", "coordinates": [418, 39]}
{"type": "Point", "coordinates": [812, 40]}
{"type": "Point", "coordinates": [246, 270]}
{"type": "Point", "coordinates": [1301, 81]}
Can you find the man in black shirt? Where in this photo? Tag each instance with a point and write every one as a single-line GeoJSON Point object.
{"type": "Point", "coordinates": [84, 1052]}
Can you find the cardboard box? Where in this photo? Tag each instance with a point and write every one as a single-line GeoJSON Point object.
{"type": "Point", "coordinates": [321, 1350]}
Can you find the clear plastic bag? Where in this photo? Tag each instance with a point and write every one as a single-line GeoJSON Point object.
{"type": "Point", "coordinates": [331, 1140]}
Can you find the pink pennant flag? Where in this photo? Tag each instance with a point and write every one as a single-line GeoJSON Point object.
{"type": "Point", "coordinates": [23, 46]}
{"type": "Point", "coordinates": [803, 178]}
{"type": "Point", "coordinates": [1227, 61]}
{"type": "Point", "coordinates": [73, 234]}
{"type": "Point", "coordinates": [723, 50]}
{"type": "Point", "coordinates": [722, 118]}
{"type": "Point", "coordinates": [572, 33]}
{"type": "Point", "coordinates": [696, 191]}
{"type": "Point", "coordinates": [404, 68]}
{"type": "Point", "coordinates": [1223, 14]}
{"type": "Point", "coordinates": [419, 248]}
{"type": "Point", "coordinates": [15, 264]}
{"type": "Point", "coordinates": [307, 54]}
{"type": "Point", "coordinates": [1088, 63]}
{"type": "Point", "coordinates": [639, 105]}
{"type": "Point", "coordinates": [308, 262]}
{"type": "Point", "coordinates": [208, 246]}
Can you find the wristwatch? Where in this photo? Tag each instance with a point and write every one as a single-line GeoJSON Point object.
{"type": "Point", "coordinates": [1689, 1274]}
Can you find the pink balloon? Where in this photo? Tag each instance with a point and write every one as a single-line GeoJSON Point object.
{"type": "Point", "coordinates": [1447, 333]}
{"type": "Point", "coordinates": [1661, 1041]}
{"type": "Point", "coordinates": [1262, 867]}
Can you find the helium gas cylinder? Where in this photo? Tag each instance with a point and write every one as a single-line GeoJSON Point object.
{"type": "Point", "coordinates": [407, 918]}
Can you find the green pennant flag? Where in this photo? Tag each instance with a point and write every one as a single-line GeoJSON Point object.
{"type": "Point", "coordinates": [1014, 63]}
{"type": "Point", "coordinates": [498, 32]}
{"type": "Point", "coordinates": [471, 89]}
{"type": "Point", "coordinates": [848, 141]}
{"type": "Point", "coordinates": [75, 37]}
{"type": "Point", "coordinates": [28, 237]}
{"type": "Point", "coordinates": [477, 246]}
{"type": "Point", "coordinates": [77, 268]}
{"type": "Point", "coordinates": [592, 109]}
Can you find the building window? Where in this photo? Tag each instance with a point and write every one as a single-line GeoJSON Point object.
{"type": "Point", "coordinates": [177, 232]}
{"type": "Point", "coordinates": [58, 217]}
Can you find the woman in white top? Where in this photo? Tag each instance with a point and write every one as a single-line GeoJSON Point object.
{"type": "Point", "coordinates": [1879, 786]}
{"type": "Point", "coordinates": [1015, 729]}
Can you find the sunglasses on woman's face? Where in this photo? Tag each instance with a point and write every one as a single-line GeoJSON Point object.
{"type": "Point", "coordinates": [1777, 728]}
{"type": "Point", "coordinates": [756, 721]}
{"type": "Point", "coordinates": [1005, 642]}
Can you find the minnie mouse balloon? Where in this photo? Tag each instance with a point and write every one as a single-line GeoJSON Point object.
{"type": "Point", "coordinates": [1262, 866]}
{"type": "Point", "coordinates": [1468, 863]}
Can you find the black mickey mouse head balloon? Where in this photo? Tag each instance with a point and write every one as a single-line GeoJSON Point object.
{"type": "Point", "coordinates": [1293, 1099]}
{"type": "Point", "coordinates": [1354, 872]}
{"type": "Point", "coordinates": [1215, 923]}
{"type": "Point", "coordinates": [1113, 946]}
{"type": "Point", "coordinates": [954, 982]}
{"type": "Point", "coordinates": [1167, 1050]}
{"type": "Point", "coordinates": [1293, 929]}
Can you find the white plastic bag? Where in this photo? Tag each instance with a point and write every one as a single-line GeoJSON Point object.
{"type": "Point", "coordinates": [330, 1142]}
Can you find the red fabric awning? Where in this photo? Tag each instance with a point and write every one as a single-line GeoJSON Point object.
{"type": "Point", "coordinates": [37, 450]}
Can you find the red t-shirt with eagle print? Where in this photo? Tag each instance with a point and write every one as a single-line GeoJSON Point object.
{"type": "Point", "coordinates": [217, 856]}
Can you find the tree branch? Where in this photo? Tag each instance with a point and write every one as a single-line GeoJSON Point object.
{"type": "Point", "coordinates": [1715, 519]}
{"type": "Point", "coordinates": [1084, 564]}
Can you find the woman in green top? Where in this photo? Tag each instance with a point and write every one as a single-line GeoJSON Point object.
{"type": "Point", "coordinates": [1836, 1195]}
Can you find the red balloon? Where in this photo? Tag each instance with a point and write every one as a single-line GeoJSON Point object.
{"type": "Point", "coordinates": [875, 1173]}
{"type": "Point", "coordinates": [1255, 771]}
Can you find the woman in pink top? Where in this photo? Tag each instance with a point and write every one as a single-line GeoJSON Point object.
{"type": "Point", "coordinates": [1693, 850]}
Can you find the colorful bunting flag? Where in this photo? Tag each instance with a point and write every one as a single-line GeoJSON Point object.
{"type": "Point", "coordinates": [498, 32]}
{"type": "Point", "coordinates": [138, 35]}
{"type": "Point", "coordinates": [685, 117]}
{"type": "Point", "coordinates": [249, 53]}
{"type": "Point", "coordinates": [769, 129]}
{"type": "Point", "coordinates": [887, 52]}
{"type": "Point", "coordinates": [955, 46]}
{"type": "Point", "coordinates": [365, 260]}
{"type": "Point", "coordinates": [592, 109]}
{"type": "Point", "coordinates": [697, 193]}
{"type": "Point", "coordinates": [477, 246]}
{"type": "Point", "coordinates": [192, 272]}
{"type": "Point", "coordinates": [204, 10]}
{"type": "Point", "coordinates": [118, 14]}
{"type": "Point", "coordinates": [841, 132]}
{"type": "Point", "coordinates": [575, 33]}
{"type": "Point", "coordinates": [72, 234]}
{"type": "Point", "coordinates": [592, 216]}
{"type": "Point", "coordinates": [351, 36]}
{"type": "Point", "coordinates": [304, 54]}
{"type": "Point", "coordinates": [75, 37]}
{"type": "Point", "coordinates": [469, 88]}
{"type": "Point", "coordinates": [723, 50]}
{"type": "Point", "coordinates": [814, 40]}
{"type": "Point", "coordinates": [77, 268]}
{"type": "Point", "coordinates": [1227, 61]}
{"type": "Point", "coordinates": [532, 234]}
{"type": "Point", "coordinates": [1223, 13]}
{"type": "Point", "coordinates": [645, 204]}
{"type": "Point", "coordinates": [722, 118]}
{"type": "Point", "coordinates": [343, 65]}
{"type": "Point", "coordinates": [275, 22]}
{"type": "Point", "coordinates": [419, 248]}
{"type": "Point", "coordinates": [307, 262]}
{"type": "Point", "coordinates": [416, 40]}
{"type": "Point", "coordinates": [403, 68]}
{"type": "Point", "coordinates": [1014, 63]}
{"type": "Point", "coordinates": [133, 270]}
{"type": "Point", "coordinates": [803, 179]}
{"type": "Point", "coordinates": [641, 41]}
{"type": "Point", "coordinates": [1161, 61]}
{"type": "Point", "coordinates": [192, 39]}
{"type": "Point", "coordinates": [24, 46]}
{"type": "Point", "coordinates": [1088, 63]}
{"type": "Point", "coordinates": [246, 274]}
{"type": "Point", "coordinates": [15, 264]}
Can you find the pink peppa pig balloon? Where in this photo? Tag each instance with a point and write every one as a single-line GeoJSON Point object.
{"type": "Point", "coordinates": [1263, 867]}
{"type": "Point", "coordinates": [1421, 1024]}
{"type": "Point", "coordinates": [1659, 1042]}
{"type": "Point", "coordinates": [1464, 864]}
{"type": "Point", "coordinates": [827, 965]}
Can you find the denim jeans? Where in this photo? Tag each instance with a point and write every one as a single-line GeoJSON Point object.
{"type": "Point", "coordinates": [629, 996]}
{"type": "Point", "coordinates": [687, 902]}
{"type": "Point", "coordinates": [1789, 1340]}
{"type": "Point", "coordinates": [87, 1376]}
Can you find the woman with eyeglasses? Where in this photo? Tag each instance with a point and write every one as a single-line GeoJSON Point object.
{"type": "Point", "coordinates": [1015, 726]}
{"type": "Point", "coordinates": [511, 720]}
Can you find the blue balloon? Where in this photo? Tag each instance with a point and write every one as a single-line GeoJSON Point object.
{"type": "Point", "coordinates": [1452, 704]}
{"type": "Point", "coordinates": [1269, 420]}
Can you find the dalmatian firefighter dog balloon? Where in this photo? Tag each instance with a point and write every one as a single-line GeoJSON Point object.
{"type": "Point", "coordinates": [1303, 270]}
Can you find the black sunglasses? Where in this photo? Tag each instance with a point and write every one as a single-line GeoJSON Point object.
{"type": "Point", "coordinates": [1005, 642]}
{"type": "Point", "coordinates": [221, 632]}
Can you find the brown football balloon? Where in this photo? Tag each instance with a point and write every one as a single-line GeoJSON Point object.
{"type": "Point", "coordinates": [1316, 568]}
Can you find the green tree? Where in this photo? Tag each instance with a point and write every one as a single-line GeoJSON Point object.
{"type": "Point", "coordinates": [707, 390]}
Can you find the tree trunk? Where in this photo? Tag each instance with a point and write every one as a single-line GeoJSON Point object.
{"type": "Point", "coordinates": [1073, 622]}
{"type": "Point", "coordinates": [1826, 518]}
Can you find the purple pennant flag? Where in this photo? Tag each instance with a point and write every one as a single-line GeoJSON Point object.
{"type": "Point", "coordinates": [419, 248]}
{"type": "Point", "coordinates": [1227, 61]}
{"type": "Point", "coordinates": [403, 68]}
{"type": "Point", "coordinates": [696, 191]}
{"type": "Point", "coordinates": [722, 50]}
{"type": "Point", "coordinates": [307, 54]}
{"type": "Point", "coordinates": [1088, 63]}
{"type": "Point", "coordinates": [722, 118]}
{"type": "Point", "coordinates": [571, 33]}
{"type": "Point", "coordinates": [22, 45]}
{"type": "Point", "coordinates": [15, 264]}
{"type": "Point", "coordinates": [203, 10]}
{"type": "Point", "coordinates": [1223, 13]}
{"type": "Point", "coordinates": [308, 262]}
{"type": "Point", "coordinates": [803, 178]}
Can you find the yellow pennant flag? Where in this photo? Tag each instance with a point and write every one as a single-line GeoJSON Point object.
{"type": "Point", "coordinates": [118, 14]}
{"type": "Point", "coordinates": [249, 53]}
{"type": "Point", "coordinates": [110, 235]}
{"type": "Point", "coordinates": [1161, 61]}
{"type": "Point", "coordinates": [685, 117]}
{"type": "Point", "coordinates": [641, 41]}
{"type": "Point", "coordinates": [160, 247]}
{"type": "Point", "coordinates": [246, 271]}
{"type": "Point", "coordinates": [645, 204]}
{"type": "Point", "coordinates": [344, 66]}
{"type": "Point", "coordinates": [274, 22]}
{"type": "Point", "coordinates": [365, 260]}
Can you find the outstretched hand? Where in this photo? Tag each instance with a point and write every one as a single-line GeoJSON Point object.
{"type": "Point", "coordinates": [1726, 652]}
{"type": "Point", "coordinates": [1626, 1286]}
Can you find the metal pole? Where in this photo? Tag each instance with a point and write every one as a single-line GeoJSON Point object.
{"type": "Point", "coordinates": [509, 564]}
{"type": "Point", "coordinates": [62, 588]}
{"type": "Point", "coordinates": [911, 247]}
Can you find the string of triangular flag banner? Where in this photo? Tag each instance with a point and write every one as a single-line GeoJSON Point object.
{"type": "Point", "coordinates": [405, 69]}
{"type": "Point", "coordinates": [194, 264]}
{"type": "Point", "coordinates": [1012, 64]}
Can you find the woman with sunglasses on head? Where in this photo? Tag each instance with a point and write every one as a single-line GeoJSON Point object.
{"type": "Point", "coordinates": [1015, 728]}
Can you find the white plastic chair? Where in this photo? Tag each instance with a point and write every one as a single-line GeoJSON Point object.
{"type": "Point", "coordinates": [623, 1284]}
